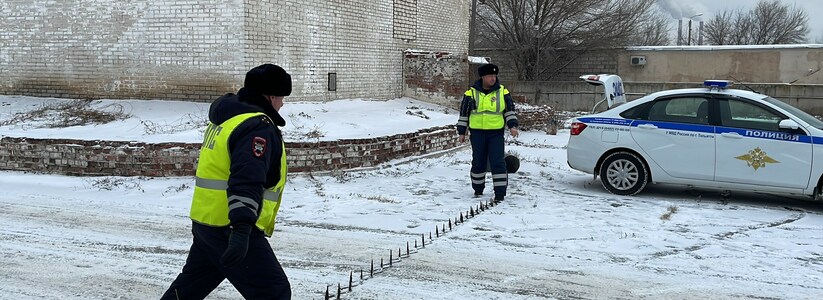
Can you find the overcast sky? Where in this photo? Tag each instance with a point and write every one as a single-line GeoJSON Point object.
{"type": "Point", "coordinates": [685, 9]}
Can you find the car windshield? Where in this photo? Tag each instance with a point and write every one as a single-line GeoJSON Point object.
{"type": "Point", "coordinates": [811, 120]}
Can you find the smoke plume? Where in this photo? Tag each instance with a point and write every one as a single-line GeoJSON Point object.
{"type": "Point", "coordinates": [681, 9]}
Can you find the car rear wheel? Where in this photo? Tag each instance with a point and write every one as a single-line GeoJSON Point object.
{"type": "Point", "coordinates": [623, 173]}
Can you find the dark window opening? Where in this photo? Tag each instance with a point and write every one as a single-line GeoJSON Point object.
{"type": "Point", "coordinates": [332, 82]}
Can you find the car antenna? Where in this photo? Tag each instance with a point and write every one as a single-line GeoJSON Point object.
{"type": "Point", "coordinates": [745, 85]}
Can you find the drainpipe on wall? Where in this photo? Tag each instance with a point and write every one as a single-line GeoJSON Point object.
{"type": "Point", "coordinates": [471, 42]}
{"type": "Point", "coordinates": [472, 27]}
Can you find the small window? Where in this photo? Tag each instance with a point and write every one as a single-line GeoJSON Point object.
{"type": "Point", "coordinates": [332, 82]}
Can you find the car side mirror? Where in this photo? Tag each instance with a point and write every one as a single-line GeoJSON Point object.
{"type": "Point", "coordinates": [788, 124]}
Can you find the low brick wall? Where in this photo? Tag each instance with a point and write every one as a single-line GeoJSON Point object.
{"type": "Point", "coordinates": [97, 158]}
{"type": "Point", "coordinates": [356, 153]}
{"type": "Point", "coordinates": [113, 158]}
{"type": "Point", "coordinates": [535, 117]}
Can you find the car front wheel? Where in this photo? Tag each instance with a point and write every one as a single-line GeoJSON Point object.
{"type": "Point", "coordinates": [623, 173]}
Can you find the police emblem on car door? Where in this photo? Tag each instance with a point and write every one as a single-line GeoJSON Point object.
{"type": "Point", "coordinates": [757, 159]}
{"type": "Point", "coordinates": [753, 149]}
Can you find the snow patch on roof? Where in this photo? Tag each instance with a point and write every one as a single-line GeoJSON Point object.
{"type": "Point", "coordinates": [478, 60]}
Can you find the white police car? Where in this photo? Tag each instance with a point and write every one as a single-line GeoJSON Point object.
{"type": "Point", "coordinates": [712, 137]}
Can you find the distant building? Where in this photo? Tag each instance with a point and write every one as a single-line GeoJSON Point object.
{"type": "Point", "coordinates": [197, 50]}
{"type": "Point", "coordinates": [795, 64]}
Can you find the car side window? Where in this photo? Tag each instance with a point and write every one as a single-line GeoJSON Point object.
{"type": "Point", "coordinates": [741, 114]}
{"type": "Point", "coordinates": [693, 110]}
{"type": "Point", "coordinates": [636, 113]}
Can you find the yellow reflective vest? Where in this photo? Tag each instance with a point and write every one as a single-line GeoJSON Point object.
{"type": "Point", "coordinates": [488, 113]}
{"type": "Point", "coordinates": [210, 204]}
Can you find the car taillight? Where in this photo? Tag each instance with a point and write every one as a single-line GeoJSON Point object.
{"type": "Point", "coordinates": [577, 128]}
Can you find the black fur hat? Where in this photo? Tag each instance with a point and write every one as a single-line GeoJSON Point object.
{"type": "Point", "coordinates": [487, 69]}
{"type": "Point", "coordinates": [269, 79]}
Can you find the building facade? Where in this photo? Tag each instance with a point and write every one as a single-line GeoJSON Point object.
{"type": "Point", "coordinates": [198, 50]}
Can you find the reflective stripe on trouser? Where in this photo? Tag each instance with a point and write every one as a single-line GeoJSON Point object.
{"type": "Point", "coordinates": [488, 147]}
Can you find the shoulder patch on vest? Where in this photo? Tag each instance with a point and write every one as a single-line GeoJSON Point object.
{"type": "Point", "coordinates": [258, 146]}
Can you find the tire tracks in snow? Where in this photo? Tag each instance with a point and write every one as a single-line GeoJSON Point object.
{"type": "Point", "coordinates": [729, 234]}
{"type": "Point", "coordinates": [722, 236]}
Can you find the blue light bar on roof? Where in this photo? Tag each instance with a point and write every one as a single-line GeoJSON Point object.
{"type": "Point", "coordinates": [717, 83]}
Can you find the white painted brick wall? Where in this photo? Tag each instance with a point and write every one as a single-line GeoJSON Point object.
{"type": "Point", "coordinates": [119, 49]}
{"type": "Point", "coordinates": [199, 49]}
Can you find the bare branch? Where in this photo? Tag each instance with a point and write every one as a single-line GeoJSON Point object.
{"type": "Point", "coordinates": [770, 22]}
{"type": "Point", "coordinates": [534, 30]}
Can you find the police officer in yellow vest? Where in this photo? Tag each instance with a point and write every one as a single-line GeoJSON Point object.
{"type": "Point", "coordinates": [487, 109]}
{"type": "Point", "coordinates": [238, 188]}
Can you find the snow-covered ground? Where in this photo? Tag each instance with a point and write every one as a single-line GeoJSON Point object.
{"type": "Point", "coordinates": [558, 235]}
{"type": "Point", "coordinates": [156, 121]}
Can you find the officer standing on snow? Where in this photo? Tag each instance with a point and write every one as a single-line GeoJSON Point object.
{"type": "Point", "coordinates": [486, 110]}
{"type": "Point", "coordinates": [239, 184]}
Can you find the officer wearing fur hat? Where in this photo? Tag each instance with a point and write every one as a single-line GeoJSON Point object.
{"type": "Point", "coordinates": [486, 110]}
{"type": "Point", "coordinates": [239, 184]}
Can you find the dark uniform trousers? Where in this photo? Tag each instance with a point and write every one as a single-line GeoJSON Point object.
{"type": "Point", "coordinates": [488, 147]}
{"type": "Point", "coordinates": [258, 277]}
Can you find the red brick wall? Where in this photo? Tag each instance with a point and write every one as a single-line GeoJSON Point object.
{"type": "Point", "coordinates": [534, 117]}
{"type": "Point", "coordinates": [356, 153]}
{"type": "Point", "coordinates": [435, 77]}
{"type": "Point", "coordinates": [94, 158]}
{"type": "Point", "coordinates": [112, 158]}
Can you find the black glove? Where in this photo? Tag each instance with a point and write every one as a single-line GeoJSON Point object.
{"type": "Point", "coordinates": [238, 245]}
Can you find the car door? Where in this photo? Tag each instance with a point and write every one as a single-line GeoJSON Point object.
{"type": "Point", "coordinates": [677, 135]}
{"type": "Point", "coordinates": [751, 148]}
